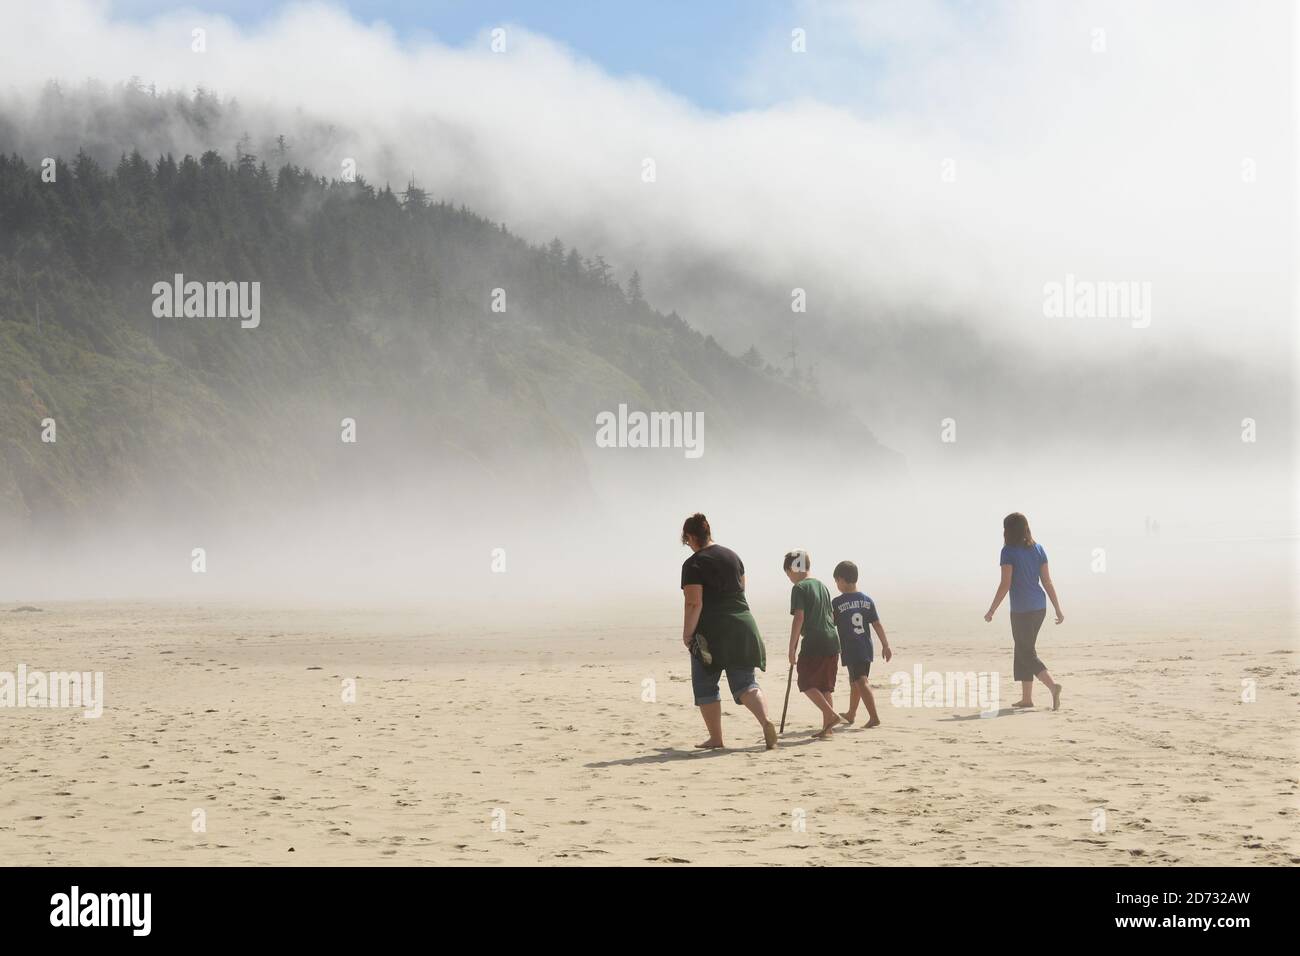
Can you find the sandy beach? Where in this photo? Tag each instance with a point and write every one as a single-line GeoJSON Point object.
{"type": "Point", "coordinates": [474, 744]}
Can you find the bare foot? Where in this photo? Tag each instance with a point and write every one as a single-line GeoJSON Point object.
{"type": "Point", "coordinates": [1056, 696]}
{"type": "Point", "coordinates": [709, 744]}
{"type": "Point", "coordinates": [873, 722]}
{"type": "Point", "coordinates": [847, 718]}
{"type": "Point", "coordinates": [826, 727]}
{"type": "Point", "coordinates": [769, 735]}
{"type": "Point", "coordinates": [824, 734]}
{"type": "Point", "coordinates": [1023, 703]}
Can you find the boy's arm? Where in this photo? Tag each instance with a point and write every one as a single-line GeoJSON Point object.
{"type": "Point", "coordinates": [884, 641]}
{"type": "Point", "coordinates": [796, 625]}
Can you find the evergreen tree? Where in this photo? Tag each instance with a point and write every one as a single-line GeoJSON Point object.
{"type": "Point", "coordinates": [635, 297]}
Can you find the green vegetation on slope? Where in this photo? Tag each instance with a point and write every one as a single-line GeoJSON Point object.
{"type": "Point", "coordinates": [373, 305]}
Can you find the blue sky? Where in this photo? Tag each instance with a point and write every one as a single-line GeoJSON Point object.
{"type": "Point", "coordinates": [695, 48]}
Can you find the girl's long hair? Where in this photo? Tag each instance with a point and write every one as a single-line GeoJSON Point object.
{"type": "Point", "coordinates": [1015, 531]}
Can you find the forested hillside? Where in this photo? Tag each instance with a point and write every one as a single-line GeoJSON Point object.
{"type": "Point", "coordinates": [376, 305]}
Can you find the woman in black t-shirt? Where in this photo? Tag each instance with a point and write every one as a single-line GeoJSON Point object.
{"type": "Point", "coordinates": [720, 632]}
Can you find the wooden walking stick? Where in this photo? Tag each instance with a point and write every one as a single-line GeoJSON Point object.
{"type": "Point", "coordinates": [786, 705]}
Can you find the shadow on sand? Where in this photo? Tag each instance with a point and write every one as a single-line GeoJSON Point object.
{"type": "Point", "coordinates": [669, 754]}
{"type": "Point", "coordinates": [1004, 712]}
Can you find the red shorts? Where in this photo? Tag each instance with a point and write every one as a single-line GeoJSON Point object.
{"type": "Point", "coordinates": [817, 673]}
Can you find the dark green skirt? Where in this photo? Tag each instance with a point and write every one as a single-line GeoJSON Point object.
{"type": "Point", "coordinates": [730, 635]}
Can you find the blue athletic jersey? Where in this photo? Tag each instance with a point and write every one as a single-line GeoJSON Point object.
{"type": "Point", "coordinates": [854, 613]}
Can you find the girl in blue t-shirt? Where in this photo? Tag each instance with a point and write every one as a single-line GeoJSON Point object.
{"type": "Point", "coordinates": [1024, 563]}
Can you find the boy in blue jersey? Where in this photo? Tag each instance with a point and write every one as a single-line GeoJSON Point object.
{"type": "Point", "coordinates": [853, 611]}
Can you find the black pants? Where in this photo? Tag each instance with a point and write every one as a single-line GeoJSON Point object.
{"type": "Point", "coordinates": [1024, 631]}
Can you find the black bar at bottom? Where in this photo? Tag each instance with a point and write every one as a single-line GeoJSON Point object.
{"type": "Point", "coordinates": [1218, 906]}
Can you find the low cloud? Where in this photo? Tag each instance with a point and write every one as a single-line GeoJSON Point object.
{"type": "Point", "coordinates": [917, 156]}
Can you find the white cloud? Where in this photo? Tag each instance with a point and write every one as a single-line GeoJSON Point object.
{"type": "Point", "coordinates": [1121, 165]}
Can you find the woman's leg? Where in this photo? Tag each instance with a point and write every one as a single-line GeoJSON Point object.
{"type": "Point", "coordinates": [1033, 660]}
{"type": "Point", "coordinates": [1053, 686]}
{"type": "Point", "coordinates": [743, 684]}
{"type": "Point", "coordinates": [705, 685]}
{"type": "Point", "coordinates": [712, 714]}
{"type": "Point", "coordinates": [1024, 633]}
{"type": "Point", "coordinates": [757, 704]}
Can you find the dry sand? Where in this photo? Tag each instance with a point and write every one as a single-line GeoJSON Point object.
{"type": "Point", "coordinates": [238, 712]}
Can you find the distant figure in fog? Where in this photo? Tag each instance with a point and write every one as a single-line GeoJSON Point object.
{"type": "Point", "coordinates": [1024, 563]}
{"type": "Point", "coordinates": [720, 632]}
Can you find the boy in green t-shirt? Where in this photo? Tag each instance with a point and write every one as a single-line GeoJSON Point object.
{"type": "Point", "coordinates": [818, 661]}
